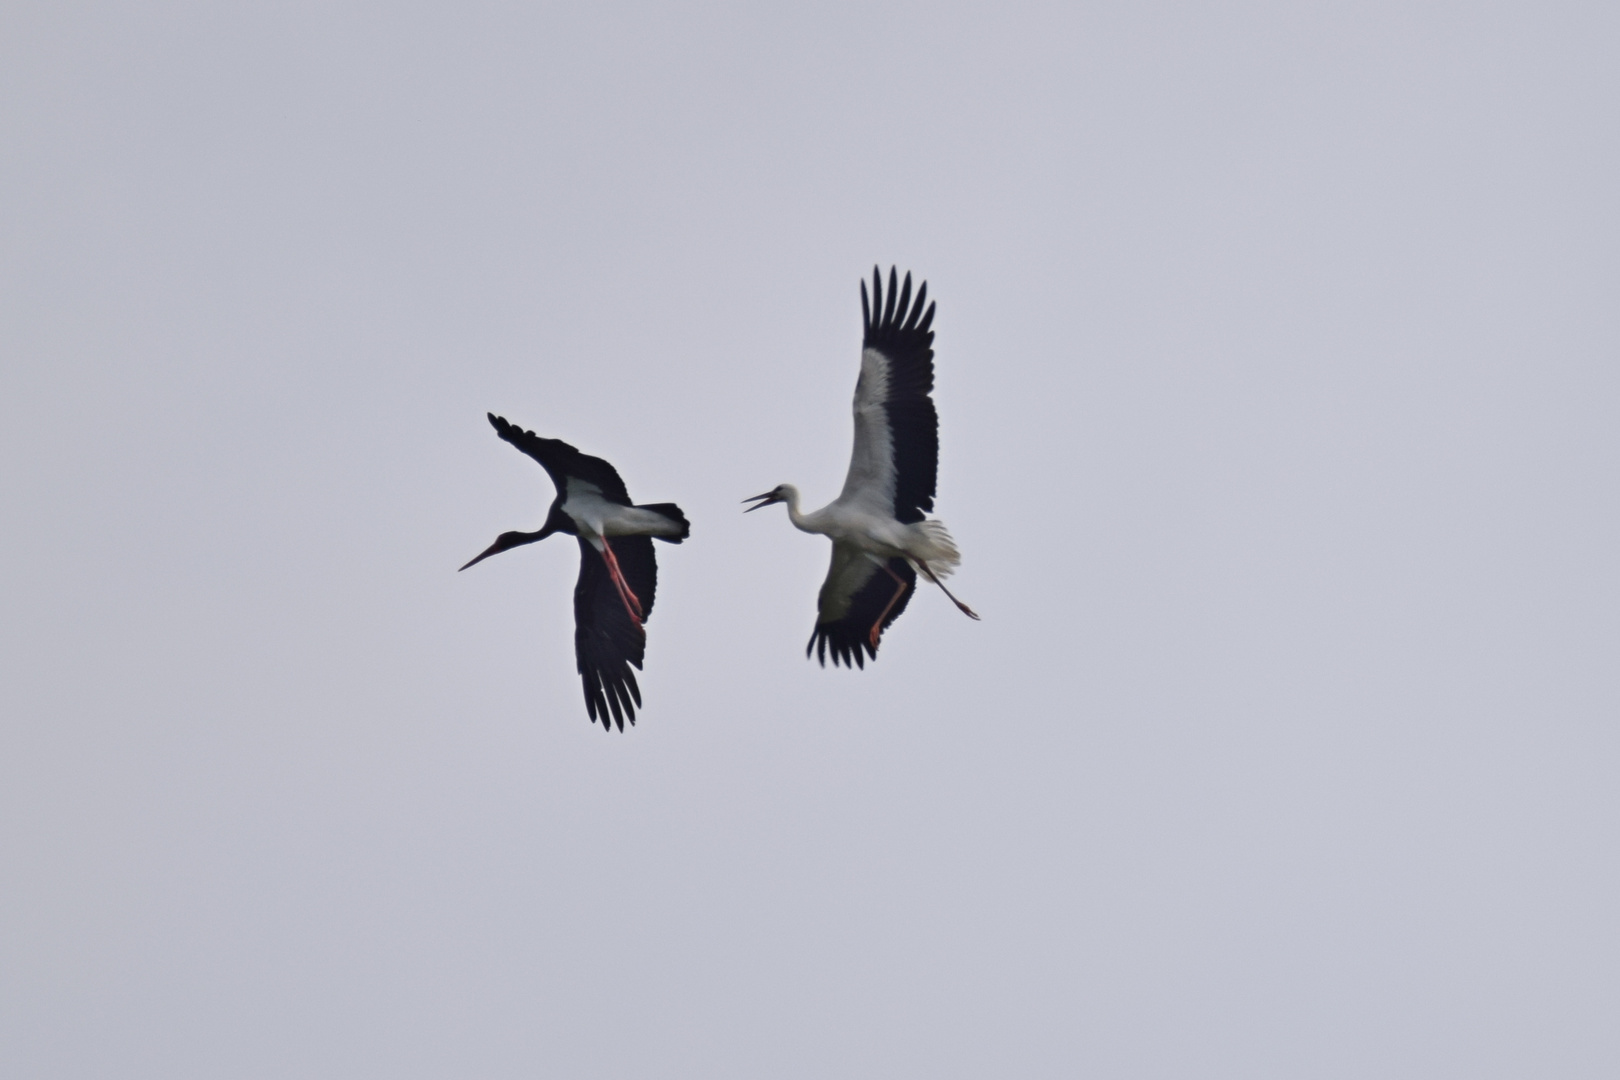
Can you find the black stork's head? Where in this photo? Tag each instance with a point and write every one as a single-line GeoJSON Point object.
{"type": "Point", "coordinates": [555, 522]}
{"type": "Point", "coordinates": [777, 494]}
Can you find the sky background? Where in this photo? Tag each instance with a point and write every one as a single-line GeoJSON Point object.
{"type": "Point", "coordinates": [1278, 355]}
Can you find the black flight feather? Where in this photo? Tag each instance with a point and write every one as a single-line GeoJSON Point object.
{"type": "Point", "coordinates": [561, 461]}
{"type": "Point", "coordinates": [607, 643]}
{"type": "Point", "coordinates": [903, 335]}
{"type": "Point", "coordinates": [848, 638]}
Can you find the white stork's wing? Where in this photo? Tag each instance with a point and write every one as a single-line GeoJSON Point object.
{"type": "Point", "coordinates": [606, 642]}
{"type": "Point", "coordinates": [896, 456]}
{"type": "Point", "coordinates": [853, 596]}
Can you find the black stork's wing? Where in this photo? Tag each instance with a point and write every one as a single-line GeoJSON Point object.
{"type": "Point", "coordinates": [607, 642]}
{"type": "Point", "coordinates": [896, 457]}
{"type": "Point", "coordinates": [563, 462]}
{"type": "Point", "coordinates": [853, 596]}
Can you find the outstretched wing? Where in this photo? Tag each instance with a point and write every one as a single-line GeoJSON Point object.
{"type": "Point", "coordinates": [563, 461]}
{"type": "Point", "coordinates": [896, 456]}
{"type": "Point", "coordinates": [852, 598]}
{"type": "Point", "coordinates": [607, 642]}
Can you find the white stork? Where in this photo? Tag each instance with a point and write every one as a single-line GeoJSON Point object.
{"type": "Point", "coordinates": [878, 525]}
{"type": "Point", "coordinates": [617, 579]}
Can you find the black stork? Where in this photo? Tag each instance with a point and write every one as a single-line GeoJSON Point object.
{"type": "Point", "coordinates": [618, 573]}
{"type": "Point", "coordinates": [878, 524]}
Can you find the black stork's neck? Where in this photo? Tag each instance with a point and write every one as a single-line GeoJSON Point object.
{"type": "Point", "coordinates": [556, 522]}
{"type": "Point", "coordinates": [509, 540]}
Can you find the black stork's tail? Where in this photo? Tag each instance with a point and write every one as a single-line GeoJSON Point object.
{"type": "Point", "coordinates": [673, 512]}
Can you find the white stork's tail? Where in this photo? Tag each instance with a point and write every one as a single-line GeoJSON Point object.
{"type": "Point", "coordinates": [936, 556]}
{"type": "Point", "coordinates": [935, 547]}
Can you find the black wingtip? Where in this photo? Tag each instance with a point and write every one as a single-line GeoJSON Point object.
{"type": "Point", "coordinates": [894, 317]}
{"type": "Point", "coordinates": [848, 639]}
{"type": "Point", "coordinates": [917, 307]}
{"type": "Point", "coordinates": [612, 703]}
{"type": "Point", "coordinates": [845, 651]}
{"type": "Point", "coordinates": [507, 430]}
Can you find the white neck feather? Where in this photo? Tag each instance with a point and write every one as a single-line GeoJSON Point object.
{"type": "Point", "coordinates": [802, 522]}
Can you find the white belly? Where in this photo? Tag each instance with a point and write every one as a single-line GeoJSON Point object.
{"type": "Point", "coordinates": [595, 518]}
{"type": "Point", "coordinates": [885, 538]}
{"type": "Point", "coordinates": [876, 536]}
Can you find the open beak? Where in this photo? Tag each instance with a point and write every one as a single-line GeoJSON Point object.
{"type": "Point", "coordinates": [760, 500]}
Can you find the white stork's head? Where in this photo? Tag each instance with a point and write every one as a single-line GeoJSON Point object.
{"type": "Point", "coordinates": [780, 493]}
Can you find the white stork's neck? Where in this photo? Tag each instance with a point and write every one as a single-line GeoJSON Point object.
{"type": "Point", "coordinates": [802, 522]}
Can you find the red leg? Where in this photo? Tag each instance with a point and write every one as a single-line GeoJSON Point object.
{"type": "Point", "coordinates": [631, 604]}
{"type": "Point", "coordinates": [969, 612]}
{"type": "Point", "coordinates": [877, 627]}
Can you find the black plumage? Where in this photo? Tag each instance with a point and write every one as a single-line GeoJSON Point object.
{"type": "Point", "coordinates": [560, 460]}
{"type": "Point", "coordinates": [608, 641]}
{"type": "Point", "coordinates": [845, 628]}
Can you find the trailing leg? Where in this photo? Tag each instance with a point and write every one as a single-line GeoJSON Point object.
{"type": "Point", "coordinates": [877, 627]}
{"type": "Point", "coordinates": [969, 612]}
{"type": "Point", "coordinates": [631, 604]}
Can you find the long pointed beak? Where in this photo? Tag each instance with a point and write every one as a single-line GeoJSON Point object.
{"type": "Point", "coordinates": [761, 500]}
{"type": "Point", "coordinates": [494, 549]}
{"type": "Point", "coordinates": [507, 541]}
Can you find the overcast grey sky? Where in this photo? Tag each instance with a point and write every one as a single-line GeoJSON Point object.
{"type": "Point", "coordinates": [1278, 350]}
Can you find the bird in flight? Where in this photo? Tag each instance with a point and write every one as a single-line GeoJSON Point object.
{"type": "Point", "coordinates": [878, 525]}
{"type": "Point", "coordinates": [618, 573]}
